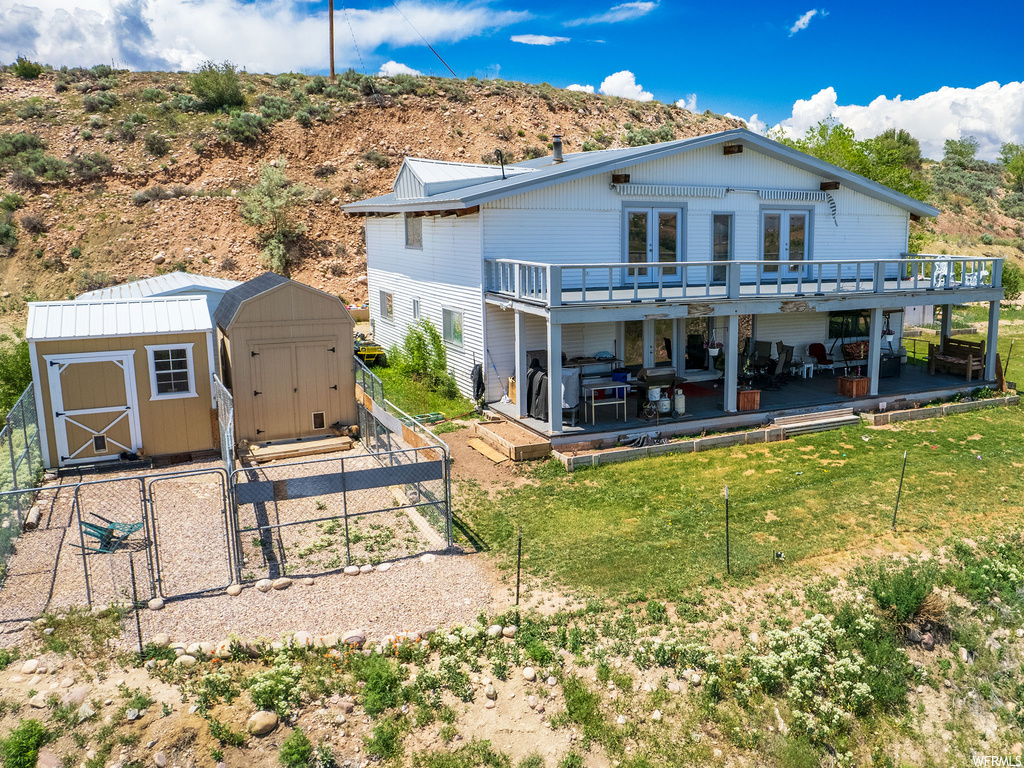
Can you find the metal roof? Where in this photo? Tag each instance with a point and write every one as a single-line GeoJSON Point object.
{"type": "Point", "coordinates": [56, 320]}
{"type": "Point", "coordinates": [233, 299]}
{"type": "Point", "coordinates": [583, 164]}
{"type": "Point", "coordinates": [162, 285]}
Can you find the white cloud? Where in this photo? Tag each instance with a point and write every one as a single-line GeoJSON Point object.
{"type": "Point", "coordinates": [688, 103]}
{"type": "Point", "coordinates": [538, 39]}
{"type": "Point", "coordinates": [753, 123]}
{"type": "Point", "coordinates": [267, 36]}
{"type": "Point", "coordinates": [390, 68]}
{"type": "Point", "coordinates": [803, 21]}
{"type": "Point", "coordinates": [992, 113]}
{"type": "Point", "coordinates": [624, 84]}
{"type": "Point", "coordinates": [615, 14]}
{"type": "Point", "coordinates": [580, 88]}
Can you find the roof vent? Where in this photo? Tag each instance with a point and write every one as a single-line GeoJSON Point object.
{"type": "Point", "coordinates": [556, 145]}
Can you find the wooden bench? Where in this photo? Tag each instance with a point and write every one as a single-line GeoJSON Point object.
{"type": "Point", "coordinates": [957, 356]}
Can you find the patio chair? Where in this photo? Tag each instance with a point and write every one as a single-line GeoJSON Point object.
{"type": "Point", "coordinates": [109, 536]}
{"type": "Point", "coordinates": [775, 376]}
{"type": "Point", "coordinates": [762, 359]}
{"type": "Point", "coordinates": [940, 274]}
{"type": "Point", "coordinates": [822, 362]}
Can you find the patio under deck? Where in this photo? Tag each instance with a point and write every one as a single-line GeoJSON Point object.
{"type": "Point", "coordinates": [704, 405]}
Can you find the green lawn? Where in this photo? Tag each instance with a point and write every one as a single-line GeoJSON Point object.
{"type": "Point", "coordinates": [656, 526]}
{"type": "Point", "coordinates": [413, 398]}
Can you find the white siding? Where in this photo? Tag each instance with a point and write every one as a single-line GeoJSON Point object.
{"type": "Point", "coordinates": [796, 329]}
{"type": "Point", "coordinates": [581, 221]}
{"type": "Point", "coordinates": [445, 274]}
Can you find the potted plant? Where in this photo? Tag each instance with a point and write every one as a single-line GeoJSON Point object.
{"type": "Point", "coordinates": [713, 347]}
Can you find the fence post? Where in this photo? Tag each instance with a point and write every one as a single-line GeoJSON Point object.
{"type": "Point", "coordinates": [14, 467]}
{"type": "Point", "coordinates": [344, 511]}
{"type": "Point", "coordinates": [519, 561]}
{"type": "Point", "coordinates": [728, 564]}
{"type": "Point", "coordinates": [135, 600]}
{"type": "Point", "coordinates": [899, 492]}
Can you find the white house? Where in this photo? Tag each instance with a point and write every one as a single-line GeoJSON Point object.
{"type": "Point", "coordinates": [738, 237]}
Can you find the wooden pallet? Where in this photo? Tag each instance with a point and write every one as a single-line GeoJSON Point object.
{"type": "Point", "coordinates": [821, 421]}
{"type": "Point", "coordinates": [294, 449]}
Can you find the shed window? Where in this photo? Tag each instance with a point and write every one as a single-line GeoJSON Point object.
{"type": "Point", "coordinates": [452, 322]}
{"type": "Point", "coordinates": [413, 231]}
{"type": "Point", "coordinates": [171, 371]}
{"type": "Point", "coordinates": [387, 306]}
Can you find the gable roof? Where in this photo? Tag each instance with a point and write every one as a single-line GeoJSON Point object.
{"type": "Point", "coordinates": [58, 320]}
{"type": "Point", "coordinates": [233, 299]}
{"type": "Point", "coordinates": [543, 172]}
{"type": "Point", "coordinates": [421, 177]}
{"type": "Point", "coordinates": [162, 285]}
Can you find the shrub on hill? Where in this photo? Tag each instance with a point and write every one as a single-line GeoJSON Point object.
{"type": "Point", "coordinates": [217, 86]}
{"type": "Point", "coordinates": [25, 69]}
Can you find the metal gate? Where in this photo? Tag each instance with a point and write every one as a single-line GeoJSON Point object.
{"type": "Point", "coordinates": [181, 544]}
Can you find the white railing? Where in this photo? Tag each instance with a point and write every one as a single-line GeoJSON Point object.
{"type": "Point", "coordinates": [572, 284]}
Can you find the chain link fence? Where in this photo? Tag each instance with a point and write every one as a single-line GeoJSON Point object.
{"type": "Point", "coordinates": [321, 515]}
{"type": "Point", "coordinates": [19, 445]}
{"type": "Point", "coordinates": [225, 423]}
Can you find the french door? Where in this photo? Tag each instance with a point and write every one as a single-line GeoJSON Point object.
{"type": "Point", "coordinates": [783, 241]}
{"type": "Point", "coordinates": [654, 235]}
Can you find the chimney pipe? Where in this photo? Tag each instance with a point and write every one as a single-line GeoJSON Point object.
{"type": "Point", "coordinates": [556, 145]}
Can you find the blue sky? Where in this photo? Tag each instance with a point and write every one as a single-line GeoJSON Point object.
{"type": "Point", "coordinates": [786, 63]}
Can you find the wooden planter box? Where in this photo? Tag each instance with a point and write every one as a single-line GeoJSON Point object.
{"type": "Point", "coordinates": [512, 441]}
{"type": "Point", "coordinates": [853, 386]}
{"type": "Point", "coordinates": [748, 399]}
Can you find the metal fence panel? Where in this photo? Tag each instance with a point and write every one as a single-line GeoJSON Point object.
{"type": "Point", "coordinates": [191, 532]}
{"type": "Point", "coordinates": [225, 423]}
{"type": "Point", "coordinates": [21, 453]}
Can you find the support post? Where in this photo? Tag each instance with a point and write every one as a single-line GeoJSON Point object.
{"type": "Point", "coordinates": [330, 25]}
{"type": "Point", "coordinates": [649, 343]}
{"type": "Point", "coordinates": [874, 350]}
{"type": "Point", "coordinates": [731, 353]}
{"type": "Point", "coordinates": [554, 377]}
{"type": "Point", "coordinates": [992, 345]}
{"type": "Point", "coordinates": [521, 363]}
{"type": "Point", "coordinates": [946, 324]}
{"type": "Point", "coordinates": [679, 343]}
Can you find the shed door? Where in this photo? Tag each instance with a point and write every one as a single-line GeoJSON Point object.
{"type": "Point", "coordinates": [318, 387]}
{"type": "Point", "coordinates": [276, 389]}
{"type": "Point", "coordinates": [95, 406]}
{"type": "Point", "coordinates": [297, 389]}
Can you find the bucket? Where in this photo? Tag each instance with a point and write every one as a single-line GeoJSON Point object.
{"type": "Point", "coordinates": [654, 393]}
{"type": "Point", "coordinates": [664, 405]}
{"type": "Point", "coordinates": [680, 404]}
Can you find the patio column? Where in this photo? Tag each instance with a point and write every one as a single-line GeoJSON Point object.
{"type": "Point", "coordinates": [679, 346]}
{"type": "Point", "coordinates": [992, 345]}
{"type": "Point", "coordinates": [731, 352]}
{"type": "Point", "coordinates": [946, 324]}
{"type": "Point", "coordinates": [874, 350]}
{"type": "Point", "coordinates": [554, 377]}
{"type": "Point", "coordinates": [521, 363]}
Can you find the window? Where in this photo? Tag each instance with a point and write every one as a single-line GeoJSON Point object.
{"type": "Point", "coordinates": [452, 322]}
{"type": "Point", "coordinates": [386, 306]}
{"type": "Point", "coordinates": [415, 309]}
{"type": "Point", "coordinates": [171, 372]}
{"type": "Point", "coordinates": [413, 231]}
{"type": "Point", "coordinates": [849, 325]}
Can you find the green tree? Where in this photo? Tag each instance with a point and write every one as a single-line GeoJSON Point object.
{"type": "Point", "coordinates": [899, 145]}
{"type": "Point", "coordinates": [217, 86]}
{"type": "Point", "coordinates": [1012, 157]}
{"type": "Point", "coordinates": [267, 206]}
{"type": "Point", "coordinates": [15, 370]}
{"type": "Point", "coordinates": [961, 152]}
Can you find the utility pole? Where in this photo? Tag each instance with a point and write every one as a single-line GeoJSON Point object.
{"type": "Point", "coordinates": [330, 23]}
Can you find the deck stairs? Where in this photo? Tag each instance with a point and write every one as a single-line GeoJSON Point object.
{"type": "Point", "coordinates": [820, 421]}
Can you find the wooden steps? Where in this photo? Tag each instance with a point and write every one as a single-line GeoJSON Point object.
{"type": "Point", "coordinates": [821, 421]}
{"type": "Point", "coordinates": [260, 452]}
{"type": "Point", "coordinates": [484, 449]}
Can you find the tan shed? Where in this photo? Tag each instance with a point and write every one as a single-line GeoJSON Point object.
{"type": "Point", "coordinates": [286, 354]}
{"type": "Point", "coordinates": [122, 377]}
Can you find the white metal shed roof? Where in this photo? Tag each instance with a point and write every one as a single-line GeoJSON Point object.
{"type": "Point", "coordinates": [162, 285]}
{"type": "Point", "coordinates": [58, 320]}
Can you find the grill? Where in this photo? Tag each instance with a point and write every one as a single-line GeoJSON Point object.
{"type": "Point", "coordinates": [653, 378]}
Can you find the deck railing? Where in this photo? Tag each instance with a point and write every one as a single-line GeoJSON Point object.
{"type": "Point", "coordinates": [573, 284]}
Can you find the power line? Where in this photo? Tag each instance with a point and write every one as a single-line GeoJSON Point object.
{"type": "Point", "coordinates": [395, 5]}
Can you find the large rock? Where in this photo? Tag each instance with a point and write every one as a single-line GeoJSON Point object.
{"type": "Point", "coordinates": [354, 637]}
{"type": "Point", "coordinates": [85, 712]}
{"type": "Point", "coordinates": [161, 640]}
{"type": "Point", "coordinates": [156, 604]}
{"type": "Point", "coordinates": [428, 558]}
{"type": "Point", "coordinates": [264, 585]}
{"type": "Point", "coordinates": [38, 701]}
{"type": "Point", "coordinates": [494, 630]}
{"type": "Point", "coordinates": [509, 631]}
{"type": "Point", "coordinates": [366, 568]}
{"type": "Point", "coordinates": [529, 674]}
{"type": "Point", "coordinates": [262, 723]}
{"type": "Point", "coordinates": [351, 570]}
{"type": "Point", "coordinates": [160, 760]}
{"type": "Point", "coordinates": [185, 661]}
{"type": "Point", "coordinates": [48, 759]}
{"type": "Point", "coordinates": [283, 583]}
{"type": "Point", "coordinates": [928, 641]}
{"type": "Point", "coordinates": [234, 590]}
{"type": "Point", "coordinates": [76, 696]}
{"type": "Point", "coordinates": [30, 667]}
{"type": "Point", "coordinates": [302, 639]}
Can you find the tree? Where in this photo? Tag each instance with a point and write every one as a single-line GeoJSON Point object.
{"type": "Point", "coordinates": [960, 152]}
{"type": "Point", "coordinates": [266, 206]}
{"type": "Point", "coordinates": [1012, 157]}
{"type": "Point", "coordinates": [899, 145]}
{"type": "Point", "coordinates": [217, 86]}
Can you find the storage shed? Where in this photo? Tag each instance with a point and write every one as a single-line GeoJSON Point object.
{"type": "Point", "coordinates": [286, 354]}
{"type": "Point", "coordinates": [170, 284]}
{"type": "Point", "coordinates": [122, 376]}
